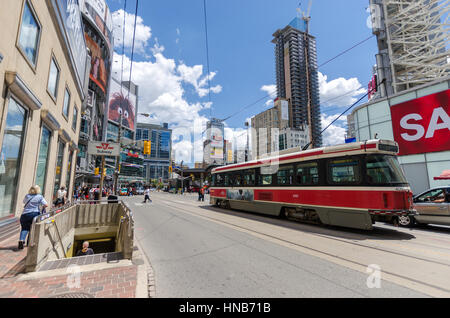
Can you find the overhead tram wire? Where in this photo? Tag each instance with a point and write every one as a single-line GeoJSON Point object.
{"type": "Point", "coordinates": [332, 59]}
{"type": "Point", "coordinates": [342, 53]}
{"type": "Point", "coordinates": [132, 48]}
{"type": "Point", "coordinates": [123, 44]}
{"type": "Point", "coordinates": [207, 57]}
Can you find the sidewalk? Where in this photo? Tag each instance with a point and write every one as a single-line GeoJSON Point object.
{"type": "Point", "coordinates": [119, 279]}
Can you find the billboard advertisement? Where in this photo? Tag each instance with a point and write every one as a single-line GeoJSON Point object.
{"type": "Point", "coordinates": [69, 16]}
{"type": "Point", "coordinates": [422, 125]}
{"type": "Point", "coordinates": [216, 153]}
{"type": "Point", "coordinates": [216, 137]}
{"type": "Point", "coordinates": [98, 12]}
{"type": "Point", "coordinates": [99, 64]}
{"type": "Point", "coordinates": [122, 101]}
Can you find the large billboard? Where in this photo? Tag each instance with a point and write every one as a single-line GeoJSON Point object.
{"type": "Point", "coordinates": [422, 125]}
{"type": "Point", "coordinates": [217, 137]}
{"type": "Point", "coordinates": [216, 153]}
{"type": "Point", "coordinates": [69, 18]}
{"type": "Point", "coordinates": [99, 64]}
{"type": "Point", "coordinates": [122, 101]}
{"type": "Point", "coordinates": [98, 12]}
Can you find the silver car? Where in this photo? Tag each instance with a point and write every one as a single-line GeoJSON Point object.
{"type": "Point", "coordinates": [433, 207]}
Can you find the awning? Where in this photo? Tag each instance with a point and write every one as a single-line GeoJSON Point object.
{"type": "Point", "coordinates": [445, 175]}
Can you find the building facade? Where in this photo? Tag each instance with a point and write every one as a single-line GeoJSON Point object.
{"type": "Point", "coordinates": [156, 165]}
{"type": "Point", "coordinates": [97, 21]}
{"type": "Point", "coordinates": [271, 132]}
{"type": "Point", "coordinates": [44, 74]}
{"type": "Point", "coordinates": [413, 39]}
{"type": "Point", "coordinates": [297, 77]}
{"type": "Point", "coordinates": [418, 119]}
{"type": "Point", "coordinates": [213, 146]}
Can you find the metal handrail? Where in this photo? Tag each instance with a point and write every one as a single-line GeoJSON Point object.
{"type": "Point", "coordinates": [55, 211]}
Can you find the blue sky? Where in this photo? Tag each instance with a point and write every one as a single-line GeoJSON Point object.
{"type": "Point", "coordinates": [172, 51]}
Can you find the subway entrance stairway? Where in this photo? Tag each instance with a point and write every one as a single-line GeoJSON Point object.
{"type": "Point", "coordinates": [48, 266]}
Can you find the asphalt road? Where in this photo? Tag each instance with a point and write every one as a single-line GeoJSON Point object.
{"type": "Point", "coordinates": [201, 251]}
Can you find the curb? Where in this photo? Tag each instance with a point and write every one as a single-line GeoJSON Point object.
{"type": "Point", "coordinates": [145, 286]}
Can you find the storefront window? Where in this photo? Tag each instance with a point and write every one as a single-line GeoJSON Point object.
{"type": "Point", "coordinates": [53, 78]}
{"type": "Point", "coordinates": [66, 104]}
{"type": "Point", "coordinates": [10, 156]}
{"type": "Point", "coordinates": [29, 34]}
{"type": "Point", "coordinates": [59, 162]}
{"type": "Point", "coordinates": [41, 171]}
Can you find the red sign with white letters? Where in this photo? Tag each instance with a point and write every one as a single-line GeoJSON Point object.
{"type": "Point", "coordinates": [423, 124]}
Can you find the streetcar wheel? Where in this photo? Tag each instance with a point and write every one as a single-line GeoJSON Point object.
{"type": "Point", "coordinates": [405, 220]}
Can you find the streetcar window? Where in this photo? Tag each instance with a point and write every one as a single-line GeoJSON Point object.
{"type": "Point", "coordinates": [384, 169]}
{"type": "Point", "coordinates": [213, 180]}
{"type": "Point", "coordinates": [344, 171]}
{"type": "Point", "coordinates": [285, 175]}
{"type": "Point", "coordinates": [237, 180]}
{"type": "Point", "coordinates": [249, 178]}
{"type": "Point", "coordinates": [218, 179]}
{"type": "Point", "coordinates": [265, 179]}
{"type": "Point", "coordinates": [227, 181]}
{"type": "Point", "coordinates": [308, 173]}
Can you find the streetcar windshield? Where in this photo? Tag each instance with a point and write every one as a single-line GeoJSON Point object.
{"type": "Point", "coordinates": [384, 169]}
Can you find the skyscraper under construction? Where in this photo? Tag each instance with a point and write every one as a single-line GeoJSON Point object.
{"type": "Point", "coordinates": [297, 76]}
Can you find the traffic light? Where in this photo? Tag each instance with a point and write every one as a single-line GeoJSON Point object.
{"type": "Point", "coordinates": [147, 147]}
{"type": "Point", "coordinates": [170, 169]}
{"type": "Point", "coordinates": [97, 171]}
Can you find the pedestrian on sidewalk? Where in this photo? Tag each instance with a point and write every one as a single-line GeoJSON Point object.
{"type": "Point", "coordinates": [147, 195]}
{"type": "Point", "coordinates": [61, 197]}
{"type": "Point", "coordinates": [86, 250]}
{"type": "Point", "coordinates": [33, 201]}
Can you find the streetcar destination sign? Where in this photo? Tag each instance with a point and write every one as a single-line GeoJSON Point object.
{"type": "Point", "coordinates": [104, 149]}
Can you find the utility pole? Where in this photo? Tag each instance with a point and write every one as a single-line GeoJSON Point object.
{"type": "Point", "coordinates": [247, 150]}
{"type": "Point", "coordinates": [119, 137]}
{"type": "Point", "coordinates": [182, 180]}
{"type": "Point", "coordinates": [102, 177]}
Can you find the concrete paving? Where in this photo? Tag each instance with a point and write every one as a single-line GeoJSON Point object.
{"type": "Point", "coordinates": [196, 251]}
{"type": "Point", "coordinates": [120, 279]}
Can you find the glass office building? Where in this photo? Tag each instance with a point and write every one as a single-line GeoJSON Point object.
{"type": "Point", "coordinates": [156, 165]}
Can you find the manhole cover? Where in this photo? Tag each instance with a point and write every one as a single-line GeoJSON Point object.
{"type": "Point", "coordinates": [74, 295]}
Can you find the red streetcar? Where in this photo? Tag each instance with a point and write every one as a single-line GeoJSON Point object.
{"type": "Point", "coordinates": [352, 185]}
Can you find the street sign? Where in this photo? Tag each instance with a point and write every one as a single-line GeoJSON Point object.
{"type": "Point", "coordinates": [104, 149]}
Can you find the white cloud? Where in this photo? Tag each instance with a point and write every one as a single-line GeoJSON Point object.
{"type": "Point", "coordinates": [272, 91]}
{"type": "Point", "coordinates": [340, 91]}
{"type": "Point", "coordinates": [161, 82]}
{"type": "Point", "coordinates": [143, 32]}
{"type": "Point", "coordinates": [335, 134]}
{"type": "Point", "coordinates": [193, 76]}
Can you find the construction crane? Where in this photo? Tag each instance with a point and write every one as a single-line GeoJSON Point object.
{"type": "Point", "coordinates": [306, 17]}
